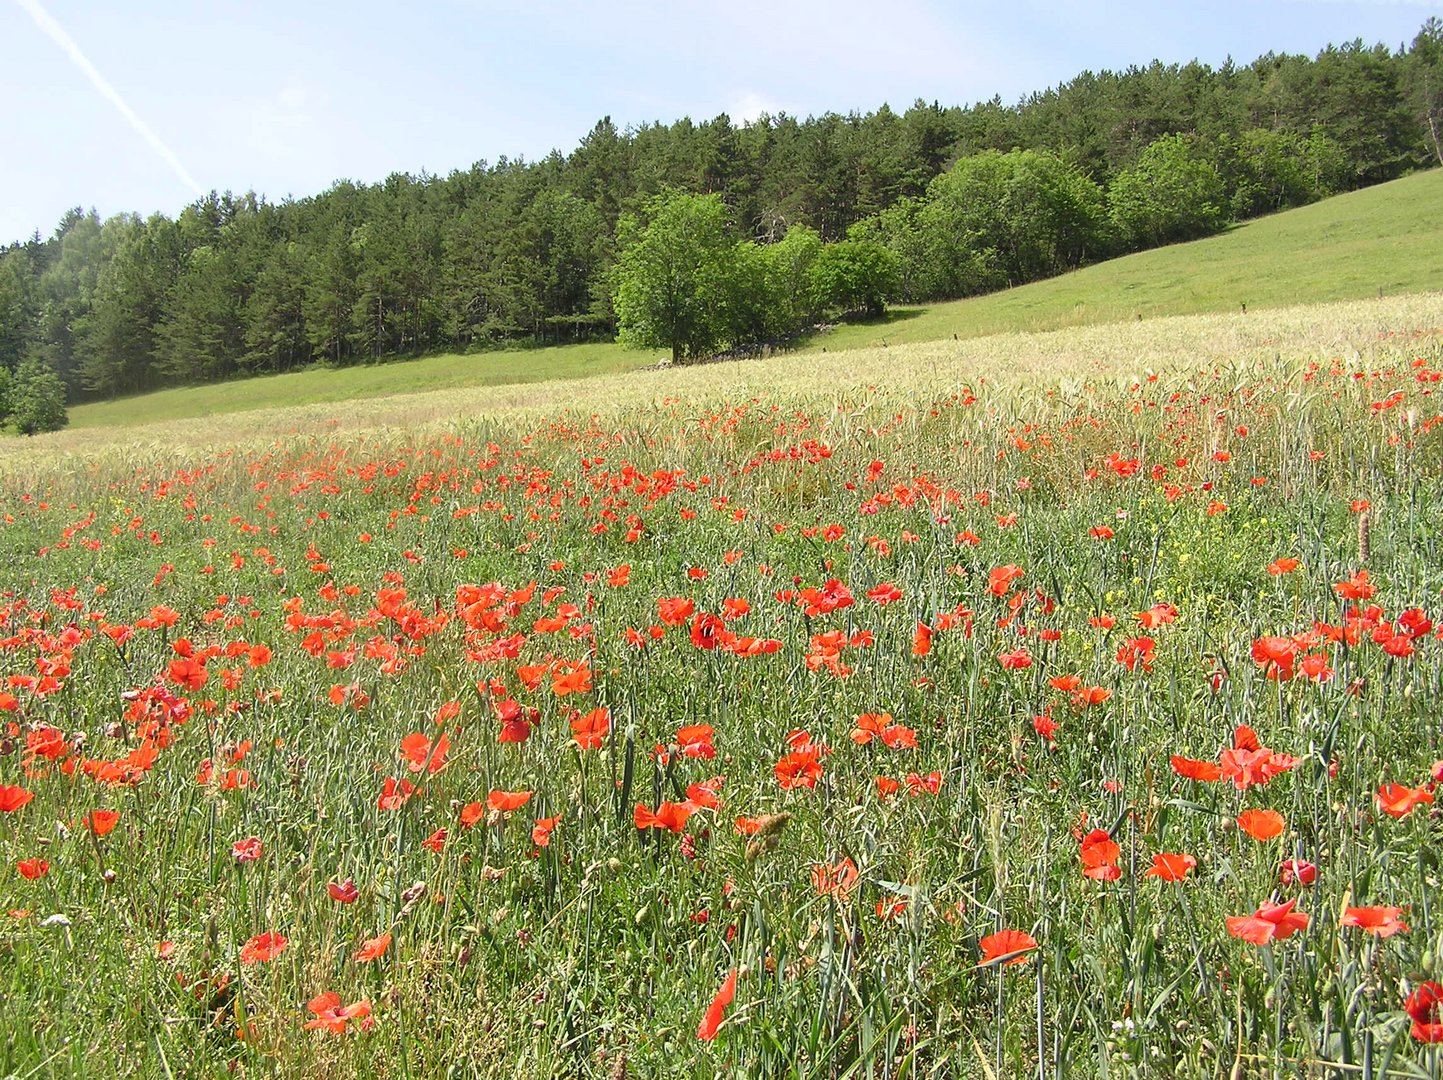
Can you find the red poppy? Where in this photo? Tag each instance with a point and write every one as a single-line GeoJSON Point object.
{"type": "Point", "coordinates": [1171, 867]}
{"type": "Point", "coordinates": [886, 786]}
{"type": "Point", "coordinates": [800, 768]}
{"type": "Point", "coordinates": [421, 754]}
{"type": "Point", "coordinates": [32, 868]}
{"type": "Point", "coordinates": [1006, 947]}
{"type": "Point", "coordinates": [1192, 769]}
{"type": "Point", "coordinates": [590, 730]}
{"type": "Point", "coordinates": [870, 725]}
{"type": "Point", "coordinates": [248, 850]}
{"type": "Point", "coordinates": [506, 801]}
{"type": "Point", "coordinates": [884, 594]}
{"type": "Point", "coordinates": [541, 831]}
{"type": "Point", "coordinates": [1397, 801]}
{"type": "Point", "coordinates": [1000, 579]}
{"type": "Point", "coordinates": [1085, 697]}
{"type": "Point", "coordinates": [922, 640]}
{"type": "Point", "coordinates": [263, 948]}
{"type": "Point", "coordinates": [187, 673]}
{"type": "Point", "coordinates": [394, 794]}
{"type": "Point", "coordinates": [918, 784]}
{"type": "Point", "coordinates": [1269, 922]}
{"type": "Point", "coordinates": [471, 813]}
{"type": "Point", "coordinates": [1297, 872]}
{"type": "Point", "coordinates": [373, 948]}
{"type": "Point", "coordinates": [1099, 854]}
{"type": "Point", "coordinates": [695, 741]}
{"type": "Point", "coordinates": [1357, 587]}
{"type": "Point", "coordinates": [1383, 921]}
{"type": "Point", "coordinates": [331, 1015]}
{"type": "Point", "coordinates": [1425, 1008]}
{"type": "Point", "coordinates": [343, 893]}
{"type": "Point", "coordinates": [435, 842]}
{"type": "Point", "coordinates": [1261, 824]}
{"type": "Point", "coordinates": [671, 816]}
{"type": "Point", "coordinates": [100, 822]}
{"type": "Point", "coordinates": [13, 797]}
{"type": "Point", "coordinates": [711, 1022]}
{"type": "Point", "coordinates": [1018, 659]}
{"type": "Point", "coordinates": [836, 881]}
{"type": "Point", "coordinates": [675, 610]}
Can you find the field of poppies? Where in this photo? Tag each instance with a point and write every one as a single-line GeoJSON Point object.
{"type": "Point", "coordinates": [916, 720]}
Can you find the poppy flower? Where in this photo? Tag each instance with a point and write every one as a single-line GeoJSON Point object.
{"type": "Point", "coordinates": [1425, 1008]}
{"type": "Point", "coordinates": [100, 822]}
{"type": "Point", "coordinates": [436, 841]}
{"type": "Point", "coordinates": [1000, 579]}
{"type": "Point", "coordinates": [671, 816]}
{"type": "Point", "coordinates": [1261, 824]}
{"type": "Point", "coordinates": [1269, 922]}
{"type": "Point", "coordinates": [836, 881]}
{"type": "Point", "coordinates": [886, 786]}
{"type": "Point", "coordinates": [1248, 767]}
{"type": "Point", "coordinates": [1297, 872]}
{"type": "Point", "coordinates": [695, 741]}
{"type": "Point", "coordinates": [1382, 921]}
{"type": "Point", "coordinates": [506, 801]}
{"type": "Point", "coordinates": [373, 948]}
{"type": "Point", "coordinates": [1099, 854]}
{"type": "Point", "coordinates": [918, 784]}
{"type": "Point", "coordinates": [1397, 801]}
{"type": "Point", "coordinates": [13, 797]}
{"type": "Point", "coordinates": [394, 794]}
{"type": "Point", "coordinates": [343, 893]}
{"type": "Point", "coordinates": [1006, 947]}
{"type": "Point", "coordinates": [1019, 659]}
{"type": "Point", "coordinates": [712, 1021]}
{"type": "Point", "coordinates": [247, 850]}
{"type": "Point", "coordinates": [1192, 769]}
{"type": "Point", "coordinates": [331, 1015]}
{"type": "Point", "coordinates": [32, 868]}
{"type": "Point", "coordinates": [590, 730]}
{"type": "Point", "coordinates": [870, 725]}
{"type": "Point", "coordinates": [1171, 867]}
{"type": "Point", "coordinates": [884, 594]}
{"type": "Point", "coordinates": [421, 754]}
{"type": "Point", "coordinates": [541, 831]}
{"type": "Point", "coordinates": [922, 640]}
{"type": "Point", "coordinates": [263, 948]}
{"type": "Point", "coordinates": [471, 813]}
{"type": "Point", "coordinates": [800, 768]}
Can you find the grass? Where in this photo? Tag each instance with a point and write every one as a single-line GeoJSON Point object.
{"type": "Point", "coordinates": [1354, 332]}
{"type": "Point", "coordinates": [1378, 241]}
{"type": "Point", "coordinates": [1349, 247]}
{"type": "Point", "coordinates": [340, 385]}
{"type": "Point", "coordinates": [1032, 567]}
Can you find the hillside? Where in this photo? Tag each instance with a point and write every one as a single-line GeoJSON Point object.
{"type": "Point", "coordinates": [1347, 247]}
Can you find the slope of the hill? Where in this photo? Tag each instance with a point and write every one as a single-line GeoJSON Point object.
{"type": "Point", "coordinates": [1383, 239]}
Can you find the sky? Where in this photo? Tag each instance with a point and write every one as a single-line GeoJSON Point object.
{"type": "Point", "coordinates": [144, 106]}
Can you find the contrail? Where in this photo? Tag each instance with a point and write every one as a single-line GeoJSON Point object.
{"type": "Point", "coordinates": [57, 34]}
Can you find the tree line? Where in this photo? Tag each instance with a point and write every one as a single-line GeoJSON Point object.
{"type": "Point", "coordinates": [814, 216]}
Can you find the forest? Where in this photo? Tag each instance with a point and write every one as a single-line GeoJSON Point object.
{"type": "Point", "coordinates": [811, 218]}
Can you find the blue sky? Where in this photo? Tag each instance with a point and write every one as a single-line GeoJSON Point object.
{"type": "Point", "coordinates": [285, 98]}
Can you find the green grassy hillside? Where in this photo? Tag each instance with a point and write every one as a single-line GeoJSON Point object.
{"type": "Point", "coordinates": [1344, 248]}
{"type": "Point", "coordinates": [1349, 247]}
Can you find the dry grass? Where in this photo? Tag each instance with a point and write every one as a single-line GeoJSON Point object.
{"type": "Point", "coordinates": [1356, 332]}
